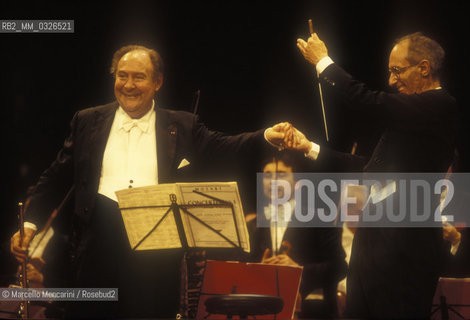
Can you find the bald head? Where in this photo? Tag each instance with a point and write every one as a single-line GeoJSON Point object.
{"type": "Point", "coordinates": [420, 48]}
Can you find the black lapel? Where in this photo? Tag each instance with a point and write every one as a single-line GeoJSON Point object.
{"type": "Point", "coordinates": [102, 121]}
{"type": "Point", "coordinates": [166, 132]}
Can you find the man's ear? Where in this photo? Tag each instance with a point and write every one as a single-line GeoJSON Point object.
{"type": "Point", "coordinates": [159, 82]}
{"type": "Point", "coordinates": [424, 67]}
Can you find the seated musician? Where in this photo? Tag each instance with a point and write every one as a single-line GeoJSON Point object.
{"type": "Point", "coordinates": [318, 250]}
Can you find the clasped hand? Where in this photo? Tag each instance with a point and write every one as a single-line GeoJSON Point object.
{"type": "Point", "coordinates": [20, 248]}
{"type": "Point", "coordinates": [286, 136]}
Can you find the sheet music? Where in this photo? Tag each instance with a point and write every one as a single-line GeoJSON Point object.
{"type": "Point", "coordinates": [141, 212]}
{"type": "Point", "coordinates": [218, 217]}
{"type": "Point", "coordinates": [140, 215]}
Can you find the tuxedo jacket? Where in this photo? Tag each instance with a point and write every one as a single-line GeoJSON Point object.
{"type": "Point", "coordinates": [318, 250]}
{"type": "Point", "coordinates": [393, 271]}
{"type": "Point", "coordinates": [180, 135]}
{"type": "Point", "coordinates": [419, 130]}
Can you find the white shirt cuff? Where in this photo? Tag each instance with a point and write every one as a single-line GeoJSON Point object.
{"type": "Point", "coordinates": [323, 64]}
{"type": "Point", "coordinates": [454, 248]}
{"type": "Point", "coordinates": [30, 226]}
{"type": "Point", "coordinates": [314, 152]}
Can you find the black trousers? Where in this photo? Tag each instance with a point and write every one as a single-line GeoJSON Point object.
{"type": "Point", "coordinates": [393, 273]}
{"type": "Point", "coordinates": [147, 281]}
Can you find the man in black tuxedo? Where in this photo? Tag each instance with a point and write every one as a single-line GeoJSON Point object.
{"type": "Point", "coordinates": [124, 144]}
{"type": "Point", "coordinates": [317, 250]}
{"type": "Point", "coordinates": [393, 271]}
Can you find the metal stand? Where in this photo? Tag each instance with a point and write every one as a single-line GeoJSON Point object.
{"type": "Point", "coordinates": [176, 209]}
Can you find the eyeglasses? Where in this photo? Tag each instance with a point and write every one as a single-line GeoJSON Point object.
{"type": "Point", "coordinates": [397, 70]}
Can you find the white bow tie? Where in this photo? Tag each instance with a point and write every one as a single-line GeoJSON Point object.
{"type": "Point", "coordinates": [128, 124]}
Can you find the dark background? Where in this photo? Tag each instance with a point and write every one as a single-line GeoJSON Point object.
{"type": "Point", "coordinates": [241, 55]}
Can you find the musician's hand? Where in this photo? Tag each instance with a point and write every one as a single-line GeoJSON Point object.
{"type": "Point", "coordinates": [266, 255]}
{"type": "Point", "coordinates": [18, 249]}
{"type": "Point", "coordinates": [34, 272]}
{"type": "Point", "coordinates": [299, 142]}
{"type": "Point", "coordinates": [279, 134]}
{"type": "Point", "coordinates": [285, 135]}
{"type": "Point", "coordinates": [281, 259]}
{"type": "Point", "coordinates": [313, 50]}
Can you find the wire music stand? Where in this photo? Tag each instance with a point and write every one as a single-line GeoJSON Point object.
{"type": "Point", "coordinates": [176, 210]}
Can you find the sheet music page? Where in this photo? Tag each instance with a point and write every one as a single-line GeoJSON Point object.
{"type": "Point", "coordinates": [140, 213]}
{"type": "Point", "coordinates": [219, 218]}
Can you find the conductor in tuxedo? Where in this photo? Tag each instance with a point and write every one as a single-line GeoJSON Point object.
{"type": "Point", "coordinates": [393, 272]}
{"type": "Point", "coordinates": [128, 143]}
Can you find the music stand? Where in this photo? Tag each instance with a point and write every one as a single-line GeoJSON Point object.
{"type": "Point", "coordinates": [192, 231]}
{"type": "Point", "coordinates": [177, 208]}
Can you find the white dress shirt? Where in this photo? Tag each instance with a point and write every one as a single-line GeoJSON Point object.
{"type": "Point", "coordinates": [279, 228]}
{"type": "Point", "coordinates": [130, 157]}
